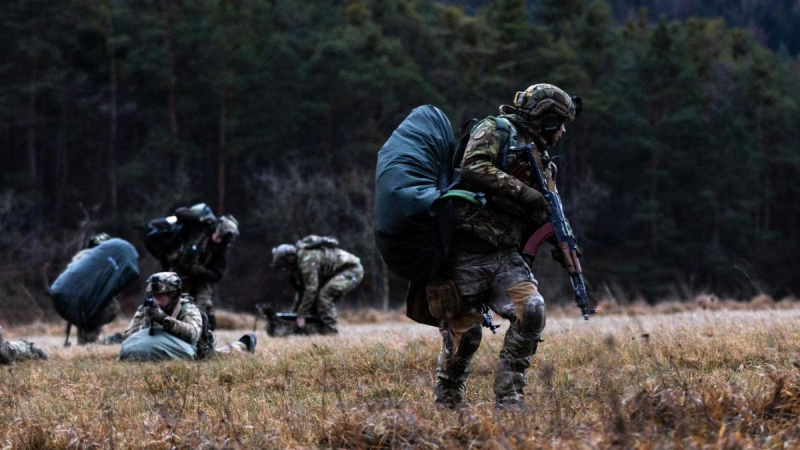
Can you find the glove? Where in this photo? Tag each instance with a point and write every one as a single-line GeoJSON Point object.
{"type": "Point", "coordinates": [534, 200]}
{"type": "Point", "coordinates": [155, 314]}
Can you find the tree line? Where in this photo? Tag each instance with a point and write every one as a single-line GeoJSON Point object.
{"type": "Point", "coordinates": [679, 177]}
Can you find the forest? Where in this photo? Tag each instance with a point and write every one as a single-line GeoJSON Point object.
{"type": "Point", "coordinates": [679, 178]}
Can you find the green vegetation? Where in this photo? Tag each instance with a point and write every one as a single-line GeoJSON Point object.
{"type": "Point", "coordinates": [680, 177]}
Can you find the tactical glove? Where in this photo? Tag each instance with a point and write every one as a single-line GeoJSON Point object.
{"type": "Point", "coordinates": [155, 314]}
{"type": "Point", "coordinates": [534, 200]}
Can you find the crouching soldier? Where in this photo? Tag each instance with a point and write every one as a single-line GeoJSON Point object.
{"type": "Point", "coordinates": [321, 273]}
{"type": "Point", "coordinates": [11, 351]}
{"type": "Point", "coordinates": [90, 334]}
{"type": "Point", "coordinates": [170, 326]}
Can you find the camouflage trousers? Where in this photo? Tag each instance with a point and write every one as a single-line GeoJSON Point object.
{"type": "Point", "coordinates": [203, 295]}
{"type": "Point", "coordinates": [232, 348]}
{"type": "Point", "coordinates": [502, 281]}
{"type": "Point", "coordinates": [331, 292]}
{"type": "Point", "coordinates": [106, 315]}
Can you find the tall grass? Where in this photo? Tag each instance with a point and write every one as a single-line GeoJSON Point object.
{"type": "Point", "coordinates": [701, 379]}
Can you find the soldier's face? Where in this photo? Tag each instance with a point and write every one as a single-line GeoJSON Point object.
{"type": "Point", "coordinates": [557, 135]}
{"type": "Point", "coordinates": [162, 300]}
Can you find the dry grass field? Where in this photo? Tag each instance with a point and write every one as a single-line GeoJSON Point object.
{"type": "Point", "coordinates": [711, 379]}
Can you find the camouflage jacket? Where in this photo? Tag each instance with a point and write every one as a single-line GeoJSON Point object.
{"type": "Point", "coordinates": [314, 268]}
{"type": "Point", "coordinates": [187, 323]}
{"type": "Point", "coordinates": [506, 221]}
{"type": "Point", "coordinates": [198, 258]}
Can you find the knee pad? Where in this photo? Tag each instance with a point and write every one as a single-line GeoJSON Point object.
{"type": "Point", "coordinates": [534, 316]}
{"type": "Point", "coordinates": [470, 341]}
{"type": "Point", "coordinates": [529, 308]}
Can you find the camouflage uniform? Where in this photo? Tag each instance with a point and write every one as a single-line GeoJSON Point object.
{"type": "Point", "coordinates": [187, 323]}
{"type": "Point", "coordinates": [186, 326]}
{"type": "Point", "coordinates": [322, 277]}
{"type": "Point", "coordinates": [486, 266]}
{"type": "Point", "coordinates": [11, 351]}
{"type": "Point", "coordinates": [201, 263]}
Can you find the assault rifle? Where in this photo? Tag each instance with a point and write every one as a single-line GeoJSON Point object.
{"type": "Point", "coordinates": [149, 303]}
{"type": "Point", "coordinates": [558, 227]}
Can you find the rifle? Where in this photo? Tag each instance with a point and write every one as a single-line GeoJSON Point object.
{"type": "Point", "coordinates": [558, 227]}
{"type": "Point", "coordinates": [149, 303]}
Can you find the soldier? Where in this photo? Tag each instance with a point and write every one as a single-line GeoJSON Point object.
{"type": "Point", "coordinates": [202, 257]}
{"type": "Point", "coordinates": [109, 312]}
{"type": "Point", "coordinates": [485, 269]}
{"type": "Point", "coordinates": [11, 351]}
{"type": "Point", "coordinates": [172, 326]}
{"type": "Point", "coordinates": [321, 274]}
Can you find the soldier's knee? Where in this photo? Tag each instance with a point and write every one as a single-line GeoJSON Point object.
{"type": "Point", "coordinates": [534, 316]}
{"type": "Point", "coordinates": [470, 341]}
{"type": "Point", "coordinates": [529, 308]}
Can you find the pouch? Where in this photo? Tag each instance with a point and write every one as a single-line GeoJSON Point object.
{"type": "Point", "coordinates": [443, 299]}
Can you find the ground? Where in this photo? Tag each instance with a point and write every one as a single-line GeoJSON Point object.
{"type": "Point", "coordinates": [700, 379]}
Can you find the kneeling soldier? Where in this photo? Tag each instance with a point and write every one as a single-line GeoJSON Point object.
{"type": "Point", "coordinates": [169, 326]}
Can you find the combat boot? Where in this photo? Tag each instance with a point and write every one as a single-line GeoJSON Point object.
{"type": "Point", "coordinates": [249, 341]}
{"type": "Point", "coordinates": [515, 359]}
{"type": "Point", "coordinates": [37, 353]}
{"type": "Point", "coordinates": [448, 394]}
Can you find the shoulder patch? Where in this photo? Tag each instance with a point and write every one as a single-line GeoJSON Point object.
{"type": "Point", "coordinates": [479, 134]}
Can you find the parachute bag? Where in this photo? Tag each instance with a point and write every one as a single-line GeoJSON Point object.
{"type": "Point", "coordinates": [162, 237]}
{"type": "Point", "coordinates": [81, 291]}
{"type": "Point", "coordinates": [159, 346]}
{"type": "Point", "coordinates": [413, 170]}
{"type": "Point", "coordinates": [414, 212]}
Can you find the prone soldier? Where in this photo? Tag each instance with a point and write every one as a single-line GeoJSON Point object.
{"type": "Point", "coordinates": [11, 351]}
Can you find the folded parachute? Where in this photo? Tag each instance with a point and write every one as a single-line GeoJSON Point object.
{"type": "Point", "coordinates": [88, 284]}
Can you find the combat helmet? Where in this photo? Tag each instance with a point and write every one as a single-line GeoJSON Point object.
{"type": "Point", "coordinates": [97, 239]}
{"type": "Point", "coordinates": [541, 101]}
{"type": "Point", "coordinates": [164, 283]}
{"type": "Point", "coordinates": [281, 254]}
{"type": "Point", "coordinates": [228, 228]}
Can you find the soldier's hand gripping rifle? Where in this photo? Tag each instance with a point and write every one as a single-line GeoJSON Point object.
{"type": "Point", "coordinates": [558, 227]}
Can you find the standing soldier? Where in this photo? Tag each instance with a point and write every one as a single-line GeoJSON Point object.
{"type": "Point", "coordinates": [321, 273]}
{"type": "Point", "coordinates": [169, 326]}
{"type": "Point", "coordinates": [202, 257]}
{"type": "Point", "coordinates": [11, 351]}
{"type": "Point", "coordinates": [485, 269]}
